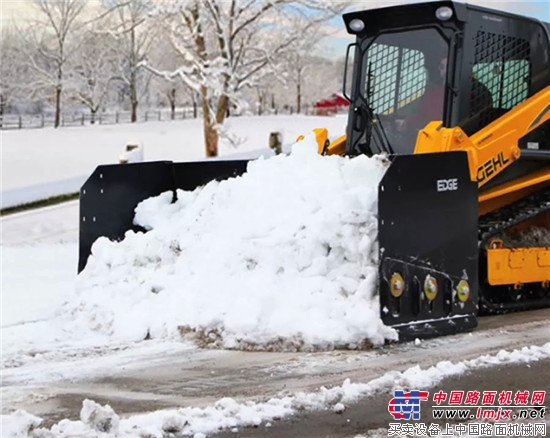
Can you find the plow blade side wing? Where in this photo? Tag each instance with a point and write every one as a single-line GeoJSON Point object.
{"type": "Point", "coordinates": [110, 195]}
{"type": "Point", "coordinates": [428, 237]}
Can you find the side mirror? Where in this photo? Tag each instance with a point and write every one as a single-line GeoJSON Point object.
{"type": "Point", "coordinates": [348, 78]}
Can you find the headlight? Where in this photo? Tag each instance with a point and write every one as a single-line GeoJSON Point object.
{"type": "Point", "coordinates": [444, 13]}
{"type": "Point", "coordinates": [430, 287]}
{"type": "Point", "coordinates": [357, 25]}
{"type": "Point", "coordinates": [397, 285]}
{"type": "Point", "coordinates": [463, 291]}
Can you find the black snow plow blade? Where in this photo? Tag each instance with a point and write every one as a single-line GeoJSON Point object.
{"type": "Point", "coordinates": [428, 228]}
{"type": "Point", "coordinates": [110, 195]}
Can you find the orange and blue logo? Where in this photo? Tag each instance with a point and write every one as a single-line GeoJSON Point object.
{"type": "Point", "coordinates": [406, 405]}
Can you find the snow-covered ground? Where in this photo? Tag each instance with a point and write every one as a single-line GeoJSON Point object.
{"type": "Point", "coordinates": [282, 258]}
{"type": "Point", "coordinates": [227, 413]}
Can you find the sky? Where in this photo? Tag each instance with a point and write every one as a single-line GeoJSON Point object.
{"type": "Point", "coordinates": [337, 42]}
{"type": "Point", "coordinates": [276, 285]}
{"type": "Point", "coordinates": [19, 9]}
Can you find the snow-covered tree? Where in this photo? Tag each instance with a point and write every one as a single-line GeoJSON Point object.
{"type": "Point", "coordinates": [92, 71]}
{"type": "Point", "coordinates": [229, 45]}
{"type": "Point", "coordinates": [170, 89]}
{"type": "Point", "coordinates": [298, 60]}
{"type": "Point", "coordinates": [134, 34]}
{"type": "Point", "coordinates": [263, 92]}
{"type": "Point", "coordinates": [304, 79]}
{"type": "Point", "coordinates": [13, 69]}
{"type": "Point", "coordinates": [52, 35]}
{"type": "Point", "coordinates": [323, 77]}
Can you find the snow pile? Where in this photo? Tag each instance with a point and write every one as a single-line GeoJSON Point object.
{"type": "Point", "coordinates": [283, 257]}
{"type": "Point", "coordinates": [18, 424]}
{"type": "Point", "coordinates": [99, 418]}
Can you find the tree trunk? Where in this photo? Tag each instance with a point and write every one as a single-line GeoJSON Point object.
{"type": "Point", "coordinates": [211, 140]}
{"type": "Point", "coordinates": [299, 92]}
{"type": "Point", "coordinates": [133, 76]}
{"type": "Point", "coordinates": [92, 116]}
{"type": "Point", "coordinates": [57, 107]}
{"type": "Point", "coordinates": [260, 104]}
{"type": "Point", "coordinates": [133, 99]}
{"type": "Point", "coordinates": [210, 133]}
{"type": "Point", "coordinates": [172, 99]}
{"type": "Point", "coordinates": [209, 125]}
{"type": "Point", "coordinates": [298, 98]}
{"type": "Point", "coordinates": [133, 117]}
{"type": "Point", "coordinates": [223, 106]}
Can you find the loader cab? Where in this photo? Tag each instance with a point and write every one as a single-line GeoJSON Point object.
{"type": "Point", "coordinates": [443, 61]}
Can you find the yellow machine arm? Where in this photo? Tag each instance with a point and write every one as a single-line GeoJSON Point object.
{"type": "Point", "coordinates": [490, 151]}
{"type": "Point", "coordinates": [324, 145]}
{"type": "Point", "coordinates": [494, 148]}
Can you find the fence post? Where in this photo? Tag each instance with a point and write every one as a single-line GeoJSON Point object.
{"type": "Point", "coordinates": [276, 142]}
{"type": "Point", "coordinates": [116, 117]}
{"type": "Point", "coordinates": [146, 115]}
{"type": "Point", "coordinates": [82, 119]}
{"type": "Point", "coordinates": [41, 120]}
{"type": "Point", "coordinates": [159, 115]}
{"type": "Point", "coordinates": [20, 122]}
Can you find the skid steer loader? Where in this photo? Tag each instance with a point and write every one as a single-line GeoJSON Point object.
{"type": "Point", "coordinates": [470, 164]}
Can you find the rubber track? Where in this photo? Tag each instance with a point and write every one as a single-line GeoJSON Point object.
{"type": "Point", "coordinates": [498, 299]}
{"type": "Point", "coordinates": [497, 221]}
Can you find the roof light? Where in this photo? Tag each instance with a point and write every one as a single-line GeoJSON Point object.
{"type": "Point", "coordinates": [357, 25]}
{"type": "Point", "coordinates": [444, 13]}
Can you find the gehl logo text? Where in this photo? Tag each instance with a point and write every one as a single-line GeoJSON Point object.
{"type": "Point", "coordinates": [491, 166]}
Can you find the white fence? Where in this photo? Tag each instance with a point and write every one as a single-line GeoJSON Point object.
{"type": "Point", "coordinates": [25, 121]}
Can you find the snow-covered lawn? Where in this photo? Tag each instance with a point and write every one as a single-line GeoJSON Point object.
{"type": "Point", "coordinates": [38, 163]}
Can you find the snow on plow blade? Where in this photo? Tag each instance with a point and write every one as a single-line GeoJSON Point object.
{"type": "Point", "coordinates": [110, 195]}
{"type": "Point", "coordinates": [427, 231]}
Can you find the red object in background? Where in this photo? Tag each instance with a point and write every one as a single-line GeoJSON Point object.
{"type": "Point", "coordinates": [332, 105]}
